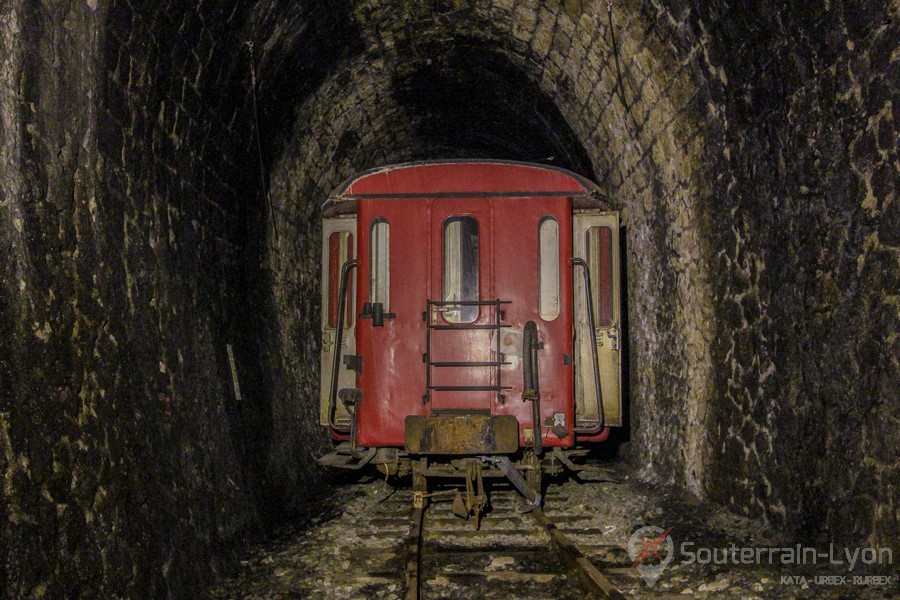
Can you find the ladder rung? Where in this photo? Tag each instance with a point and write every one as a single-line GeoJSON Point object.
{"type": "Point", "coordinates": [469, 364]}
{"type": "Point", "coordinates": [468, 388]}
{"type": "Point", "coordinates": [468, 302]}
{"type": "Point", "coordinates": [466, 327]}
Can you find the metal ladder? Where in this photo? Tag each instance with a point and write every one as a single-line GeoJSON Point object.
{"type": "Point", "coordinates": [430, 322]}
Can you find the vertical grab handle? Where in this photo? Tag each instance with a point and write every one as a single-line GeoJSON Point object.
{"type": "Point", "coordinates": [532, 386]}
{"type": "Point", "coordinates": [338, 342]}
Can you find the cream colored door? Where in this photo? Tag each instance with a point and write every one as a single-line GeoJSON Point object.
{"type": "Point", "coordinates": [338, 246]}
{"type": "Point", "coordinates": [595, 239]}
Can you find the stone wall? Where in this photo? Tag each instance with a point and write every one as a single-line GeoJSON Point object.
{"type": "Point", "coordinates": [803, 231]}
{"type": "Point", "coordinates": [130, 468]}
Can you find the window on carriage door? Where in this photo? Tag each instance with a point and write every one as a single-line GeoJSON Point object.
{"type": "Point", "coordinates": [599, 253]}
{"type": "Point", "coordinates": [460, 272]}
{"type": "Point", "coordinates": [548, 268]}
{"type": "Point", "coordinates": [340, 250]}
{"type": "Point", "coordinates": [380, 263]}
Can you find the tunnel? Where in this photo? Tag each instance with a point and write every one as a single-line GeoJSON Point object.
{"type": "Point", "coordinates": [163, 170]}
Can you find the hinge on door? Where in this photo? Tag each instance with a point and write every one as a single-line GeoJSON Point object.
{"type": "Point", "coordinates": [353, 362]}
{"type": "Point", "coordinates": [613, 338]}
{"type": "Point", "coordinates": [327, 340]}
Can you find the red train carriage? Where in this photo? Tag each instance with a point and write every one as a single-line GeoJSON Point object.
{"type": "Point", "coordinates": [479, 335]}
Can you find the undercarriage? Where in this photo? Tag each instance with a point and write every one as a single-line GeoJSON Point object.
{"type": "Point", "coordinates": [461, 479]}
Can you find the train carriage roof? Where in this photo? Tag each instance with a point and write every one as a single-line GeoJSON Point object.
{"type": "Point", "coordinates": [464, 178]}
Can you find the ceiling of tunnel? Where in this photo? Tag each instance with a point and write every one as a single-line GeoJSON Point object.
{"type": "Point", "coordinates": [473, 97]}
{"type": "Point", "coordinates": [476, 79]}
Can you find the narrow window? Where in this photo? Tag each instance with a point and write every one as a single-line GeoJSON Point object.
{"type": "Point", "coordinates": [548, 268]}
{"type": "Point", "coordinates": [340, 250]}
{"type": "Point", "coordinates": [600, 257]}
{"type": "Point", "coordinates": [461, 268]}
{"type": "Point", "coordinates": [380, 263]}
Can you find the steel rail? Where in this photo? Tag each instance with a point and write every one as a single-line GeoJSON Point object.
{"type": "Point", "coordinates": [596, 584]}
{"type": "Point", "coordinates": [414, 556]}
{"type": "Point", "coordinates": [590, 575]}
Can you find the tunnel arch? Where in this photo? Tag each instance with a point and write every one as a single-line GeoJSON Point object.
{"type": "Point", "coordinates": [646, 155]}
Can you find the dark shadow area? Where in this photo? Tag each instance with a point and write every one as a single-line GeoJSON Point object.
{"type": "Point", "coordinates": [469, 95]}
{"type": "Point", "coordinates": [7, 335]}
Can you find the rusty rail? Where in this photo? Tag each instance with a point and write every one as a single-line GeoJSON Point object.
{"type": "Point", "coordinates": [414, 556]}
{"type": "Point", "coordinates": [577, 561]}
{"type": "Point", "coordinates": [594, 582]}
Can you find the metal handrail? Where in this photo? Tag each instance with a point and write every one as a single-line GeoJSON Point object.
{"type": "Point", "coordinates": [336, 363]}
{"type": "Point", "coordinates": [531, 390]}
{"type": "Point", "coordinates": [579, 262]}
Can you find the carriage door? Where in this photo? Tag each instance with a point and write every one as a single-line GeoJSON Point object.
{"type": "Point", "coordinates": [462, 370]}
{"type": "Point", "coordinates": [338, 246]}
{"type": "Point", "coordinates": [596, 240]}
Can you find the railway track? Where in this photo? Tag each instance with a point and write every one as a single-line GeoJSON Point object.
{"type": "Point", "coordinates": [376, 546]}
{"type": "Point", "coordinates": [511, 554]}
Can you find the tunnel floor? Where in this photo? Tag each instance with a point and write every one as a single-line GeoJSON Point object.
{"type": "Point", "coordinates": [353, 544]}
